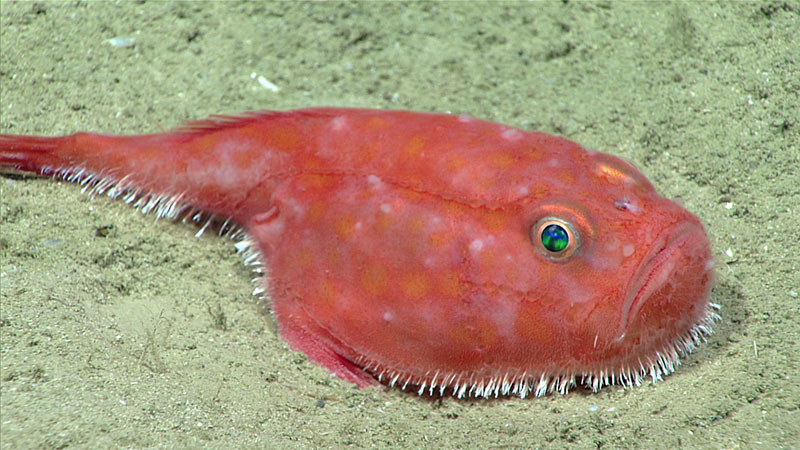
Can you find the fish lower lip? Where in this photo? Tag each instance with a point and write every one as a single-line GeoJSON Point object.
{"type": "Point", "coordinates": [656, 269]}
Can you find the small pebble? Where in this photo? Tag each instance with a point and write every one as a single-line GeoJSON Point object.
{"type": "Point", "coordinates": [52, 242]}
{"type": "Point", "coordinates": [122, 42]}
{"type": "Point", "coordinates": [266, 84]}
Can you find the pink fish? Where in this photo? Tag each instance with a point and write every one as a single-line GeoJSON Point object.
{"type": "Point", "coordinates": [449, 254]}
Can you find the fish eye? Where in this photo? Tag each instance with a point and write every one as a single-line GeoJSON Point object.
{"type": "Point", "coordinates": [555, 238]}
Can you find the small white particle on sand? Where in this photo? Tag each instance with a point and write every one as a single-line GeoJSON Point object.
{"type": "Point", "coordinates": [729, 252]}
{"type": "Point", "coordinates": [266, 84]}
{"type": "Point", "coordinates": [122, 42]}
{"type": "Point", "coordinates": [728, 205]}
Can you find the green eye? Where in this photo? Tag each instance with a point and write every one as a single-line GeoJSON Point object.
{"type": "Point", "coordinates": [555, 238]}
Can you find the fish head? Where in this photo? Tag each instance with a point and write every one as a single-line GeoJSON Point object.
{"type": "Point", "coordinates": [600, 273]}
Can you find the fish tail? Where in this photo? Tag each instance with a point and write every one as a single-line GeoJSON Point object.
{"type": "Point", "coordinates": [166, 172]}
{"type": "Point", "coordinates": [30, 153]}
{"type": "Point", "coordinates": [135, 168]}
{"type": "Point", "coordinates": [221, 165]}
{"type": "Point", "coordinates": [46, 155]}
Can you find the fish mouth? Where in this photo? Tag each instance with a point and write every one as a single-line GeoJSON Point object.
{"type": "Point", "coordinates": [667, 256]}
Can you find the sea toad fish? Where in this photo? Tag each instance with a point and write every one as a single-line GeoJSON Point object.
{"type": "Point", "coordinates": [441, 253]}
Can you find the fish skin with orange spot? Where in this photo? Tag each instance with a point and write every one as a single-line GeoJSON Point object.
{"type": "Point", "coordinates": [403, 247]}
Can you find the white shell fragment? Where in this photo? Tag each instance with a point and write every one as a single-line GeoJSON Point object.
{"type": "Point", "coordinates": [265, 83]}
{"type": "Point", "coordinates": [122, 42]}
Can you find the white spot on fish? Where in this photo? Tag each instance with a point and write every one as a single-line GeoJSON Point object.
{"type": "Point", "coordinates": [523, 190]}
{"type": "Point", "coordinates": [574, 292]}
{"type": "Point", "coordinates": [511, 135]}
{"type": "Point", "coordinates": [627, 250]}
{"type": "Point", "coordinates": [476, 246]}
{"type": "Point", "coordinates": [374, 181]}
{"type": "Point", "coordinates": [504, 318]}
{"type": "Point", "coordinates": [358, 225]}
{"type": "Point", "coordinates": [464, 118]}
{"type": "Point", "coordinates": [338, 123]}
{"type": "Point", "coordinates": [612, 244]}
{"type": "Point", "coordinates": [297, 208]}
{"type": "Point", "coordinates": [388, 316]}
{"type": "Point", "coordinates": [624, 204]}
{"type": "Point", "coordinates": [385, 208]}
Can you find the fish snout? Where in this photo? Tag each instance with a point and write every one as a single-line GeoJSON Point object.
{"type": "Point", "coordinates": [668, 292]}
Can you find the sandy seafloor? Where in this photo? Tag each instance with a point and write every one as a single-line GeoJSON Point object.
{"type": "Point", "coordinates": [118, 332]}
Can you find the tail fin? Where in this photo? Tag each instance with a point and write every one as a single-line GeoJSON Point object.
{"type": "Point", "coordinates": [29, 153]}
